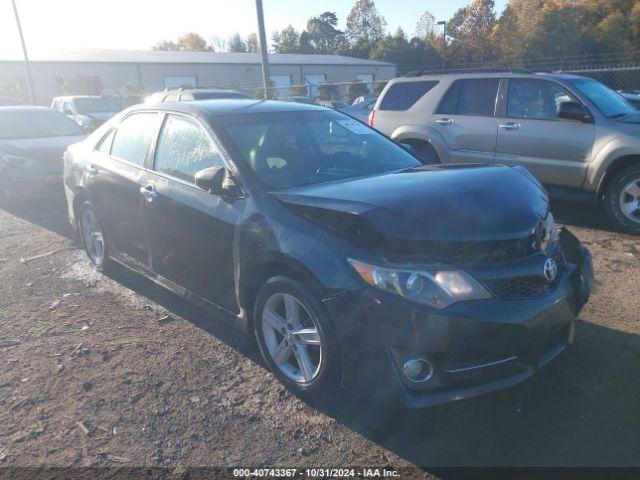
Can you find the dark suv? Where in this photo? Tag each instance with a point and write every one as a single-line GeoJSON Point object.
{"type": "Point", "coordinates": [347, 259]}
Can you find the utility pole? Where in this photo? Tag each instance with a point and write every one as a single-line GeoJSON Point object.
{"type": "Point", "coordinates": [444, 42]}
{"type": "Point", "coordinates": [27, 65]}
{"type": "Point", "coordinates": [264, 51]}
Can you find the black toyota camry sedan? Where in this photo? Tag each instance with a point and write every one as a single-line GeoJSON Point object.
{"type": "Point", "coordinates": [349, 261]}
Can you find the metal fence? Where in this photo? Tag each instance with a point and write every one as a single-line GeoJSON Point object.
{"type": "Point", "coordinates": [617, 72]}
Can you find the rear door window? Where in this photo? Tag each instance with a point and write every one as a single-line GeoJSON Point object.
{"type": "Point", "coordinates": [471, 97]}
{"type": "Point", "coordinates": [184, 149]}
{"type": "Point", "coordinates": [403, 95]}
{"type": "Point", "coordinates": [132, 137]}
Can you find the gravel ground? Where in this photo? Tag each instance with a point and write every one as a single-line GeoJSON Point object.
{"type": "Point", "coordinates": [114, 371]}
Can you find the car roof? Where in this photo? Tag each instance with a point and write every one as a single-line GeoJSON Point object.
{"type": "Point", "coordinates": [221, 107]}
{"type": "Point", "coordinates": [480, 73]}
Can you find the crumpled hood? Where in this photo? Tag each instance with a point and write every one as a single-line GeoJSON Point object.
{"type": "Point", "coordinates": [46, 150]}
{"type": "Point", "coordinates": [443, 203]}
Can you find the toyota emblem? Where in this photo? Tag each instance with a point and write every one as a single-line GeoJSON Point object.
{"type": "Point", "coordinates": [550, 270]}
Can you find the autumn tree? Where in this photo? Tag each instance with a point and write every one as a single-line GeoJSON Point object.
{"type": "Point", "coordinates": [193, 42]}
{"type": "Point", "coordinates": [474, 38]}
{"type": "Point", "coordinates": [364, 23]}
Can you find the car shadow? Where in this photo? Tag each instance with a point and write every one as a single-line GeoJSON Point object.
{"type": "Point", "coordinates": [49, 213]}
{"type": "Point", "coordinates": [582, 409]}
{"type": "Point", "coordinates": [580, 214]}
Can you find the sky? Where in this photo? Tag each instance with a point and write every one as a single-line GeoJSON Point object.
{"type": "Point", "coordinates": [63, 25]}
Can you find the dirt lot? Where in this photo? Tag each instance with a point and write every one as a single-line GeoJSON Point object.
{"type": "Point", "coordinates": [115, 371]}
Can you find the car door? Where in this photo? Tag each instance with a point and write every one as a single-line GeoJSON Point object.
{"type": "Point", "coordinates": [190, 231]}
{"type": "Point", "coordinates": [465, 118]}
{"type": "Point", "coordinates": [531, 134]}
{"type": "Point", "coordinates": [113, 181]}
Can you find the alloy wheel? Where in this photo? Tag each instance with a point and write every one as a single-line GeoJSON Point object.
{"type": "Point", "coordinates": [630, 200]}
{"type": "Point", "coordinates": [292, 338]}
{"type": "Point", "coordinates": [92, 236]}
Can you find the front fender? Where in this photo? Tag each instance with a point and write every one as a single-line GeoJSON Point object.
{"type": "Point", "coordinates": [617, 148]}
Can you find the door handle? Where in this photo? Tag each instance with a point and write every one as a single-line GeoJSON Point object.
{"type": "Point", "coordinates": [148, 192]}
{"type": "Point", "coordinates": [510, 126]}
{"type": "Point", "coordinates": [444, 122]}
{"type": "Point", "coordinates": [92, 171]}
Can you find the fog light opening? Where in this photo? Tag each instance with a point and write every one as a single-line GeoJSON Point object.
{"type": "Point", "coordinates": [417, 370]}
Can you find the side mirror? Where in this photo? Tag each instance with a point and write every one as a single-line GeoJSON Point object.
{"type": "Point", "coordinates": [574, 111]}
{"type": "Point", "coordinates": [218, 181]}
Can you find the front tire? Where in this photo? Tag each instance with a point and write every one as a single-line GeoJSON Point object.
{"type": "Point", "coordinates": [93, 238]}
{"type": "Point", "coordinates": [296, 338]}
{"type": "Point", "coordinates": [622, 200]}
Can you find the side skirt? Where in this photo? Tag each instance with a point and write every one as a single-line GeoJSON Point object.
{"type": "Point", "coordinates": [237, 321]}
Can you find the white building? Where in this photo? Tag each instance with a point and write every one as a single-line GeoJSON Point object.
{"type": "Point", "coordinates": [108, 71]}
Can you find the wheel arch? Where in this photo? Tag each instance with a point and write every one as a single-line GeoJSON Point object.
{"type": "Point", "coordinates": [620, 163]}
{"type": "Point", "coordinates": [79, 197]}
{"type": "Point", "coordinates": [420, 133]}
{"type": "Point", "coordinates": [255, 274]}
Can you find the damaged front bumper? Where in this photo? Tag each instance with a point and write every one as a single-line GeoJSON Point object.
{"type": "Point", "coordinates": [471, 347]}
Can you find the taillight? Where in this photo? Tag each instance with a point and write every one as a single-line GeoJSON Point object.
{"type": "Point", "coordinates": [372, 116]}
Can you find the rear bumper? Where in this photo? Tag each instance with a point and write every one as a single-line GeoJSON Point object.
{"type": "Point", "coordinates": [475, 347]}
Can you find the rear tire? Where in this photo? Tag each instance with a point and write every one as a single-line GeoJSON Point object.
{"type": "Point", "coordinates": [296, 338]}
{"type": "Point", "coordinates": [622, 200]}
{"type": "Point", "coordinates": [93, 238]}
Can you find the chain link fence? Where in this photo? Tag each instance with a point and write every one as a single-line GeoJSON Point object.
{"type": "Point", "coordinates": [621, 73]}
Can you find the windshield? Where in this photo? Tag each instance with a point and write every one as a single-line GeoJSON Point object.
{"type": "Point", "coordinates": [610, 103]}
{"type": "Point", "coordinates": [95, 105]}
{"type": "Point", "coordinates": [16, 124]}
{"type": "Point", "coordinates": [288, 149]}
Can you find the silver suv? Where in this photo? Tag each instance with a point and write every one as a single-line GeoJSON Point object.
{"type": "Point", "coordinates": [577, 136]}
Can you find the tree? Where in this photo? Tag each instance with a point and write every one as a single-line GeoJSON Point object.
{"type": "Point", "coordinates": [166, 45]}
{"type": "Point", "coordinates": [426, 27]}
{"type": "Point", "coordinates": [474, 38]}
{"type": "Point", "coordinates": [364, 22]}
{"type": "Point", "coordinates": [193, 42]}
{"type": "Point", "coordinates": [408, 55]}
{"type": "Point", "coordinates": [286, 41]}
{"type": "Point", "coordinates": [236, 44]}
{"type": "Point", "coordinates": [304, 43]}
{"type": "Point", "coordinates": [253, 45]}
{"type": "Point", "coordinates": [323, 34]}
{"type": "Point", "coordinates": [454, 26]}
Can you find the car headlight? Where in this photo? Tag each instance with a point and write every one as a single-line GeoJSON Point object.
{"type": "Point", "coordinates": [437, 288]}
{"type": "Point", "coordinates": [18, 161]}
{"type": "Point", "coordinates": [548, 235]}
